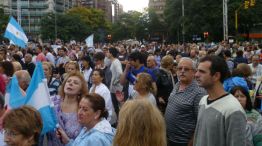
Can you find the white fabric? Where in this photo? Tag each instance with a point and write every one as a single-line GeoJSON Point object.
{"type": "Point", "coordinates": [103, 91]}
{"type": "Point", "coordinates": [11, 28]}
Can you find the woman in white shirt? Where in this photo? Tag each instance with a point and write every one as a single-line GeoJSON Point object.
{"type": "Point", "coordinates": [100, 88]}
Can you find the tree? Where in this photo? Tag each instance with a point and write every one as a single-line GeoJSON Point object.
{"type": "Point", "coordinates": [77, 23]}
{"type": "Point", "coordinates": [136, 25]}
{"type": "Point", "coordinates": [67, 28]}
{"type": "Point", "coordinates": [207, 16]}
{"type": "Point", "coordinates": [3, 24]}
{"type": "Point", "coordinates": [126, 26]}
{"type": "Point", "coordinates": [94, 19]}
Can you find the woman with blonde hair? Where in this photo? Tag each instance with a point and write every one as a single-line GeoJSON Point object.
{"type": "Point", "coordinates": [66, 106]}
{"type": "Point", "coordinates": [70, 67]}
{"type": "Point", "coordinates": [140, 124]}
{"type": "Point", "coordinates": [144, 88]}
{"type": "Point", "coordinates": [52, 82]}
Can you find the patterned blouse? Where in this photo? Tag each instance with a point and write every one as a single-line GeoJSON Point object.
{"type": "Point", "coordinates": [67, 121]}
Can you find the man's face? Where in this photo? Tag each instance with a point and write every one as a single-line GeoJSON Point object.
{"type": "Point", "coordinates": [192, 53]}
{"type": "Point", "coordinates": [150, 62]}
{"type": "Point", "coordinates": [143, 49]}
{"type": "Point", "coordinates": [203, 75]}
{"type": "Point", "coordinates": [185, 71]}
{"type": "Point", "coordinates": [28, 59]}
{"type": "Point", "coordinates": [61, 53]}
{"type": "Point", "coordinates": [134, 63]}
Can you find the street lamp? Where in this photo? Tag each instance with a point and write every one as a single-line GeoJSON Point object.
{"type": "Point", "coordinates": [55, 21]}
{"type": "Point", "coordinates": [183, 22]}
{"type": "Point", "coordinates": [225, 22]}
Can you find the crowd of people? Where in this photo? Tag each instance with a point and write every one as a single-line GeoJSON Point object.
{"type": "Point", "coordinates": [137, 95]}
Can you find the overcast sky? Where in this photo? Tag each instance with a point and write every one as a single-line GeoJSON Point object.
{"type": "Point", "coordinates": [137, 5]}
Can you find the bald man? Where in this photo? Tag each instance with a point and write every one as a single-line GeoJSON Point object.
{"type": "Point", "coordinates": [182, 107]}
{"type": "Point", "coordinates": [24, 79]}
{"type": "Point", "coordinates": [151, 62]}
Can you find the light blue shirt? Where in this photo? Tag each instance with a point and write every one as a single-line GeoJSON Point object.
{"type": "Point", "coordinates": [101, 135]}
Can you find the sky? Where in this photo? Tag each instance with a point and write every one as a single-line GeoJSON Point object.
{"type": "Point", "coordinates": [137, 5]}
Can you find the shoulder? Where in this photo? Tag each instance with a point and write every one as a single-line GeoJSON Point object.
{"type": "Point", "coordinates": [99, 138]}
{"type": "Point", "coordinates": [229, 105]}
{"type": "Point", "coordinates": [203, 100]}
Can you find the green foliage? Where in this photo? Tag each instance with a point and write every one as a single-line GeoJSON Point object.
{"type": "Point", "coordinates": [136, 25]}
{"type": "Point", "coordinates": [126, 26]}
{"type": "Point", "coordinates": [77, 23]}
{"type": "Point", "coordinates": [207, 16]}
{"type": "Point", "coordinates": [3, 24]}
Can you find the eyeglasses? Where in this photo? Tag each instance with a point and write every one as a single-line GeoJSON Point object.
{"type": "Point", "coordinates": [10, 133]}
{"type": "Point", "coordinates": [184, 68]}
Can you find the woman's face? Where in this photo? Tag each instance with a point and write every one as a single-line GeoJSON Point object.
{"type": "Point", "coordinates": [14, 138]}
{"type": "Point", "coordinates": [47, 71]}
{"type": "Point", "coordinates": [73, 86]}
{"type": "Point", "coordinates": [71, 68]}
{"type": "Point", "coordinates": [96, 78]}
{"type": "Point", "coordinates": [86, 115]}
{"type": "Point", "coordinates": [241, 98]}
{"type": "Point", "coordinates": [85, 63]}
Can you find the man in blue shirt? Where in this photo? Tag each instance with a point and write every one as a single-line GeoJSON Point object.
{"type": "Point", "coordinates": [135, 66]}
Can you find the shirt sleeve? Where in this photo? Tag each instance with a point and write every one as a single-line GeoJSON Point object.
{"type": "Point", "coordinates": [235, 125]}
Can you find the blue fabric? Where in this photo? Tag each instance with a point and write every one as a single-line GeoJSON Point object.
{"type": "Point", "coordinates": [235, 81]}
{"type": "Point", "coordinates": [37, 96]}
{"type": "Point", "coordinates": [131, 76]}
{"type": "Point", "coordinates": [16, 98]}
{"type": "Point", "coordinates": [92, 138]}
{"type": "Point", "coordinates": [15, 33]}
{"type": "Point", "coordinates": [89, 40]}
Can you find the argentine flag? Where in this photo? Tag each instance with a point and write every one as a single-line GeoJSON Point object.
{"type": "Point", "coordinates": [15, 33]}
{"type": "Point", "coordinates": [90, 40]}
{"type": "Point", "coordinates": [37, 96]}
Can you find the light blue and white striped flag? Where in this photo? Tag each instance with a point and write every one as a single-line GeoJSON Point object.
{"type": "Point", "coordinates": [90, 41]}
{"type": "Point", "coordinates": [37, 96]}
{"type": "Point", "coordinates": [15, 33]}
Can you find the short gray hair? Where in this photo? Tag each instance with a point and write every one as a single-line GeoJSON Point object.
{"type": "Point", "coordinates": [23, 75]}
{"type": "Point", "coordinates": [194, 64]}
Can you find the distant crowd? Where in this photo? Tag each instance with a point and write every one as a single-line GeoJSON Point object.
{"type": "Point", "coordinates": [137, 95]}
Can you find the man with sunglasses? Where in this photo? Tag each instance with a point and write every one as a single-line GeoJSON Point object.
{"type": "Point", "coordinates": [182, 107]}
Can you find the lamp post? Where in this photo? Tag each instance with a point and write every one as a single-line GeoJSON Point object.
{"type": "Point", "coordinates": [183, 23]}
{"type": "Point", "coordinates": [236, 18]}
{"type": "Point", "coordinates": [55, 21]}
{"type": "Point", "coordinates": [19, 11]}
{"type": "Point", "coordinates": [225, 20]}
{"type": "Point", "coordinates": [29, 29]}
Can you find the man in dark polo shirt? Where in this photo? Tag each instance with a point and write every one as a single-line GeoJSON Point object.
{"type": "Point", "coordinates": [182, 107]}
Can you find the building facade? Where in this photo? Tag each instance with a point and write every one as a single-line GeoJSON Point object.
{"type": "Point", "coordinates": [158, 6]}
{"type": "Point", "coordinates": [111, 8]}
{"type": "Point", "coordinates": [29, 12]}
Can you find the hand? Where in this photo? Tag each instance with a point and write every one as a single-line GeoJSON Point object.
{"type": "Point", "coordinates": [60, 133]}
{"type": "Point", "coordinates": [161, 100]}
{"type": "Point", "coordinates": [128, 66]}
